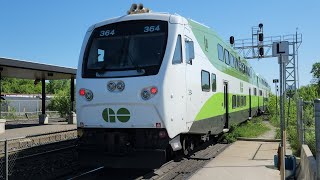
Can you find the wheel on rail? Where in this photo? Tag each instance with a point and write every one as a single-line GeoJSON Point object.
{"type": "Point", "coordinates": [187, 145]}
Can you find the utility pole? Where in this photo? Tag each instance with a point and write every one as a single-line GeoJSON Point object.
{"type": "Point", "coordinates": [275, 81]}
{"type": "Point", "coordinates": [281, 50]}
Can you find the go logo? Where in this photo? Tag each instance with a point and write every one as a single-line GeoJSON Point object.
{"type": "Point", "coordinates": [122, 115]}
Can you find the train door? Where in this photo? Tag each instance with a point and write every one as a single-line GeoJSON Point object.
{"type": "Point", "coordinates": [226, 105]}
{"type": "Point", "coordinates": [250, 116]}
{"type": "Point", "coordinates": [191, 78]}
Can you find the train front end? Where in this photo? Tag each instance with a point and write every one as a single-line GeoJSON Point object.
{"type": "Point", "coordinates": [120, 109]}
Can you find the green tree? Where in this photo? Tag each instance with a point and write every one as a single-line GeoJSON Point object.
{"type": "Point", "coordinates": [23, 86]}
{"type": "Point", "coordinates": [61, 102]}
{"type": "Point", "coordinates": [316, 75]}
{"type": "Point", "coordinates": [55, 86]}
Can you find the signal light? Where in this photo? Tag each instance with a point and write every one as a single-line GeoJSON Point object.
{"type": "Point", "coordinates": [261, 37]}
{"type": "Point", "coordinates": [153, 90]}
{"type": "Point", "coordinates": [231, 40]}
{"type": "Point", "coordinates": [82, 92]}
{"type": "Point", "coordinates": [261, 51]}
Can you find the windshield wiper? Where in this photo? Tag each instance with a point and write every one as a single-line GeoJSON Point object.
{"type": "Point", "coordinates": [135, 66]}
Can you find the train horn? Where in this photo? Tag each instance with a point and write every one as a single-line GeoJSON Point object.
{"type": "Point", "coordinates": [133, 7]}
{"type": "Point", "coordinates": [140, 7]}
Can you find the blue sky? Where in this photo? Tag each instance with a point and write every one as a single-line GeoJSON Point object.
{"type": "Point", "coordinates": [52, 31]}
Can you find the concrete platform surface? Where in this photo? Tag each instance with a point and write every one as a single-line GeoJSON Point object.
{"type": "Point", "coordinates": [34, 129]}
{"type": "Point", "coordinates": [243, 160]}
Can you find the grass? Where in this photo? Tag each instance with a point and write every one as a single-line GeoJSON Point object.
{"type": "Point", "coordinates": [251, 129]}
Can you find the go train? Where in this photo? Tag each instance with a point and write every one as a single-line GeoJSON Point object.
{"type": "Point", "coordinates": [156, 83]}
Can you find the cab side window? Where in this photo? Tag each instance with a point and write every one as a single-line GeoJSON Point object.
{"type": "Point", "coordinates": [177, 57]}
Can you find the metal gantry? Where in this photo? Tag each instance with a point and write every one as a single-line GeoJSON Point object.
{"type": "Point", "coordinates": [254, 48]}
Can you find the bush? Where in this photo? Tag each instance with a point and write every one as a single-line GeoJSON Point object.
{"type": "Point", "coordinates": [251, 128]}
{"type": "Point", "coordinates": [308, 93]}
{"type": "Point", "coordinates": [61, 103]}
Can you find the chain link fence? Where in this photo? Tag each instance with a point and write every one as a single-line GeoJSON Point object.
{"type": "Point", "coordinates": [307, 124]}
{"type": "Point", "coordinates": [35, 156]}
{"type": "Point", "coordinates": [24, 109]}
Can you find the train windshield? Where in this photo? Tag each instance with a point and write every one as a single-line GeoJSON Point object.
{"type": "Point", "coordinates": [130, 48]}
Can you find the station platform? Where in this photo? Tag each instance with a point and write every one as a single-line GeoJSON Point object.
{"type": "Point", "coordinates": [30, 129]}
{"type": "Point", "coordinates": [246, 160]}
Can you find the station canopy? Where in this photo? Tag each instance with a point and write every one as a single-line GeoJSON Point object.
{"type": "Point", "coordinates": [31, 70]}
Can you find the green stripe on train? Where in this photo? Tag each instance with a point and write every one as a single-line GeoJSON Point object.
{"type": "Point", "coordinates": [214, 105]}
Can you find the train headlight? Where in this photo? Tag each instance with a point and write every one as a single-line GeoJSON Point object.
{"type": "Point", "coordinates": [149, 92]}
{"type": "Point", "coordinates": [111, 86]}
{"type": "Point", "coordinates": [88, 95]}
{"type": "Point", "coordinates": [145, 94]}
{"type": "Point", "coordinates": [120, 85]}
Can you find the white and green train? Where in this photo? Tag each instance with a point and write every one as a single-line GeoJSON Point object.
{"type": "Point", "coordinates": [160, 82]}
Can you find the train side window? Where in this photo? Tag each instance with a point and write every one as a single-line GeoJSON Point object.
{"type": "Point", "coordinates": [260, 92]}
{"type": "Point", "coordinates": [242, 100]}
{"type": "Point", "coordinates": [245, 100]}
{"type": "Point", "coordinates": [255, 91]}
{"type": "Point", "coordinates": [238, 101]}
{"type": "Point", "coordinates": [205, 81]}
{"type": "Point", "coordinates": [220, 52]}
{"type": "Point", "coordinates": [214, 82]}
{"type": "Point", "coordinates": [234, 101]}
{"type": "Point", "coordinates": [232, 60]}
{"type": "Point", "coordinates": [177, 57]}
{"type": "Point", "coordinates": [226, 56]}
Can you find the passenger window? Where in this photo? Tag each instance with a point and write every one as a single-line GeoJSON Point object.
{"type": "Point", "coordinates": [177, 57]}
{"type": "Point", "coordinates": [214, 82]}
{"type": "Point", "coordinates": [232, 60]}
{"type": "Point", "coordinates": [100, 55]}
{"type": "Point", "coordinates": [205, 80]}
{"type": "Point", "coordinates": [234, 101]}
{"type": "Point", "coordinates": [255, 91]}
{"type": "Point", "coordinates": [220, 52]}
{"type": "Point", "coordinates": [238, 101]}
{"type": "Point", "coordinates": [226, 56]}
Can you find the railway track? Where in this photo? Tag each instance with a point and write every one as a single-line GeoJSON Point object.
{"type": "Point", "coordinates": [43, 156]}
{"type": "Point", "coordinates": [179, 168]}
{"type": "Point", "coordinates": [184, 167]}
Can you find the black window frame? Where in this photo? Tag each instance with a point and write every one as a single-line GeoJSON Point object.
{"type": "Point", "coordinates": [208, 89]}
{"type": "Point", "coordinates": [213, 82]}
{"type": "Point", "coordinates": [232, 60]}
{"type": "Point", "coordinates": [225, 59]}
{"type": "Point", "coordinates": [153, 70]}
{"type": "Point", "coordinates": [238, 101]}
{"type": "Point", "coordinates": [234, 101]}
{"type": "Point", "coordinates": [220, 53]}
